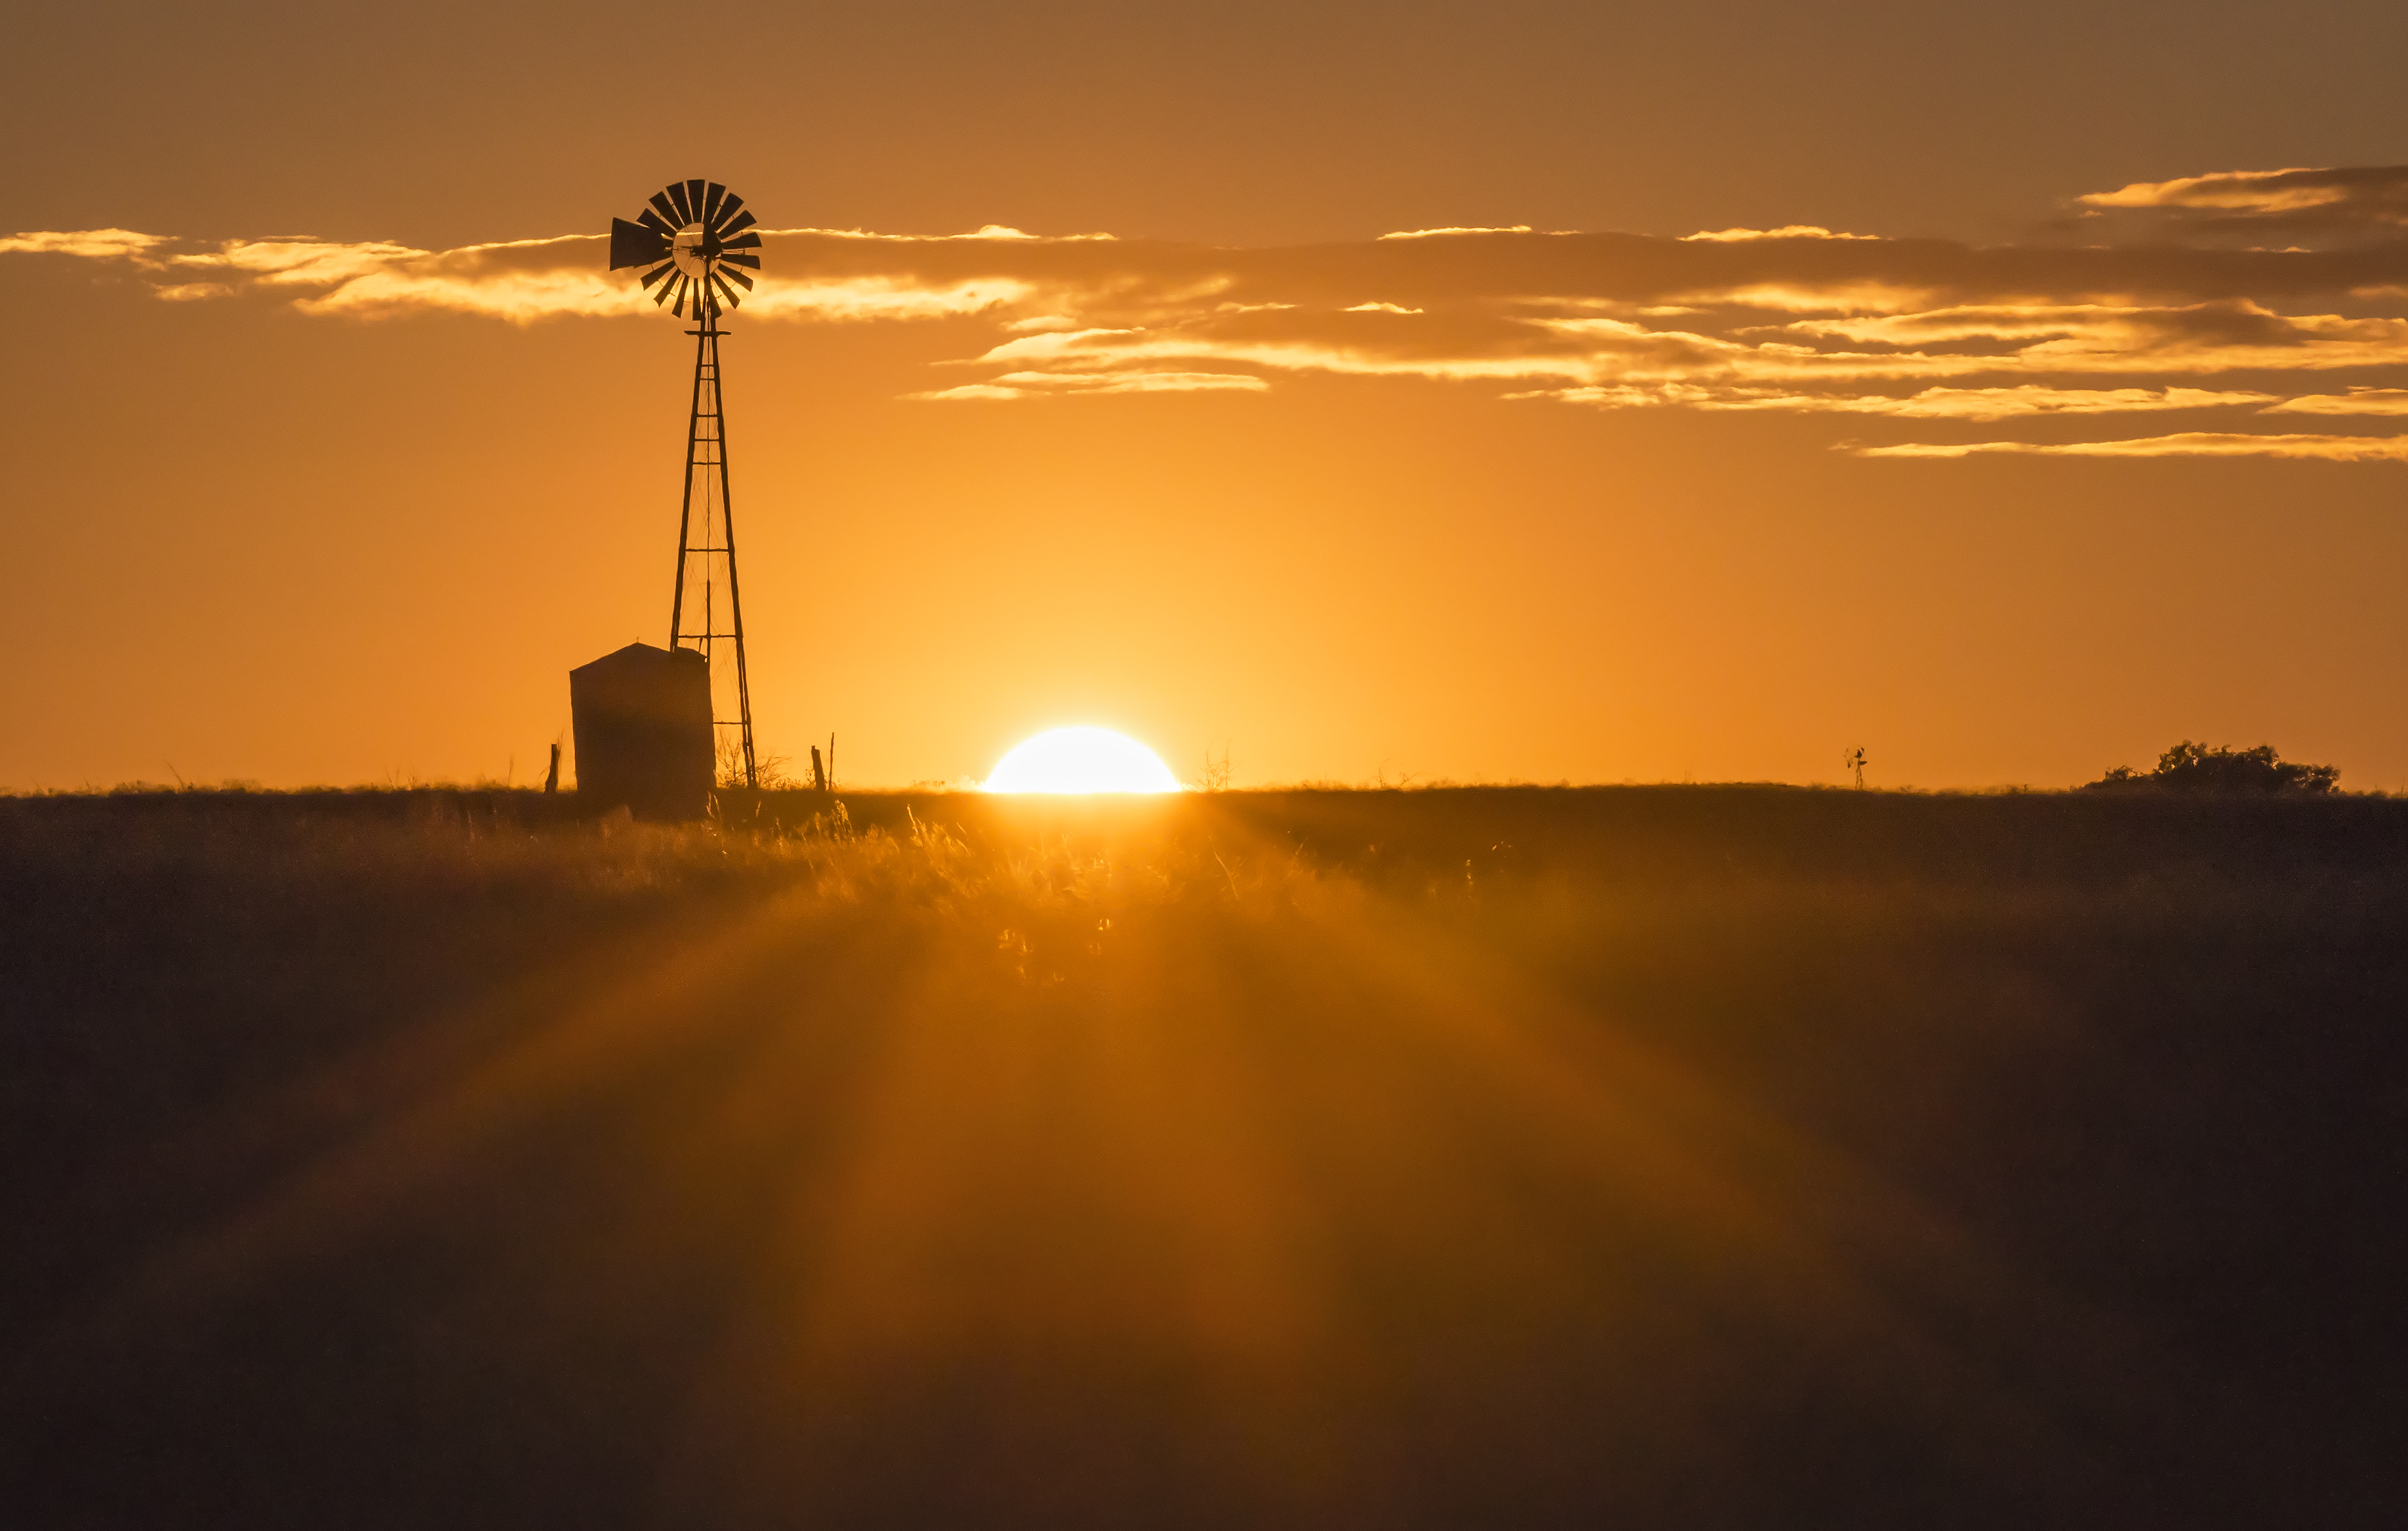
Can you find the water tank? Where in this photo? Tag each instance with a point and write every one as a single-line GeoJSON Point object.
{"type": "Point", "coordinates": [642, 718]}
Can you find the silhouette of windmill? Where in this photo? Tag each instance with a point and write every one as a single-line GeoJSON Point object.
{"type": "Point", "coordinates": [697, 244]}
{"type": "Point", "coordinates": [1853, 758]}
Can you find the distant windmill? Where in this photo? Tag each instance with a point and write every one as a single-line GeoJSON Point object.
{"type": "Point", "coordinates": [697, 244]}
{"type": "Point", "coordinates": [1853, 758]}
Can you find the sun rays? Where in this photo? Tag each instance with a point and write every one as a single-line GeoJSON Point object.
{"type": "Point", "coordinates": [1141, 1126]}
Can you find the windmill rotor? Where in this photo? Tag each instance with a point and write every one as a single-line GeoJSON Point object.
{"type": "Point", "coordinates": [695, 245]}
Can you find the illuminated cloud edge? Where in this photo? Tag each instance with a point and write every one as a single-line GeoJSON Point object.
{"type": "Point", "coordinates": [2186, 317]}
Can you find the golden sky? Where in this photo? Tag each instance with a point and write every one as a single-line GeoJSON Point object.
{"type": "Point", "coordinates": [1499, 392]}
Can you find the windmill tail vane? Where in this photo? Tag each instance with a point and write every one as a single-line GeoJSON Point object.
{"type": "Point", "coordinates": [696, 248]}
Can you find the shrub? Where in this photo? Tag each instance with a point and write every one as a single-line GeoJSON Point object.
{"type": "Point", "coordinates": [2194, 767]}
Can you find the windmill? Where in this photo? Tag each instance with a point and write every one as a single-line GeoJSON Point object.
{"type": "Point", "coordinates": [697, 247]}
{"type": "Point", "coordinates": [1853, 759]}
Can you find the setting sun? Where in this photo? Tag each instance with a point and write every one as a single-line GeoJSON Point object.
{"type": "Point", "coordinates": [1080, 760]}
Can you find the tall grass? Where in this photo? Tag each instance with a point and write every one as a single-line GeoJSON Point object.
{"type": "Point", "coordinates": [1670, 1156]}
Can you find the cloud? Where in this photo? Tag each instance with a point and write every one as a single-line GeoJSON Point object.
{"type": "Point", "coordinates": [103, 244]}
{"type": "Point", "coordinates": [1977, 404]}
{"type": "Point", "coordinates": [2226, 335]}
{"type": "Point", "coordinates": [2358, 401]}
{"type": "Point", "coordinates": [1870, 295]}
{"type": "Point", "coordinates": [2358, 203]}
{"type": "Point", "coordinates": [987, 231]}
{"type": "Point", "coordinates": [2331, 448]}
{"type": "Point", "coordinates": [306, 262]}
{"type": "Point", "coordinates": [1434, 234]}
{"type": "Point", "coordinates": [520, 280]}
{"type": "Point", "coordinates": [1794, 320]}
{"type": "Point", "coordinates": [2247, 191]}
{"type": "Point", "coordinates": [1786, 231]}
{"type": "Point", "coordinates": [1031, 385]}
{"type": "Point", "coordinates": [866, 298]}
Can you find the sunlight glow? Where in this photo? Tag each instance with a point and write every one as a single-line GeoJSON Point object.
{"type": "Point", "coordinates": [1080, 760]}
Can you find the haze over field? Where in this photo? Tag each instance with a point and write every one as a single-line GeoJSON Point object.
{"type": "Point", "coordinates": [1513, 392]}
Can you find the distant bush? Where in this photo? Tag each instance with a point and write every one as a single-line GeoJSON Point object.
{"type": "Point", "coordinates": [2194, 767]}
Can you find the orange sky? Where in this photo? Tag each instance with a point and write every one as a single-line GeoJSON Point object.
{"type": "Point", "coordinates": [332, 459]}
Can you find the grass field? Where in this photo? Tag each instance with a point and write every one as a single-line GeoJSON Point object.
{"type": "Point", "coordinates": [1517, 1158]}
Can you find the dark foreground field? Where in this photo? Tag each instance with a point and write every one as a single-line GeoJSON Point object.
{"type": "Point", "coordinates": [1638, 1157]}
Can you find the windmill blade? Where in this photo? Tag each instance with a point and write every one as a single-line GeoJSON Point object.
{"type": "Point", "coordinates": [632, 244]}
{"type": "Point", "coordinates": [733, 299]}
{"type": "Point", "coordinates": [667, 289]}
{"type": "Point", "coordinates": [737, 276]}
{"type": "Point", "coordinates": [752, 261]}
{"type": "Point", "coordinates": [741, 241]}
{"type": "Point", "coordinates": [694, 198]}
{"type": "Point", "coordinates": [657, 272]}
{"type": "Point", "coordinates": [667, 209]}
{"type": "Point", "coordinates": [711, 196]}
{"type": "Point", "coordinates": [686, 209]}
{"type": "Point", "coordinates": [654, 221]}
{"type": "Point", "coordinates": [737, 225]}
{"type": "Point", "coordinates": [727, 211]}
